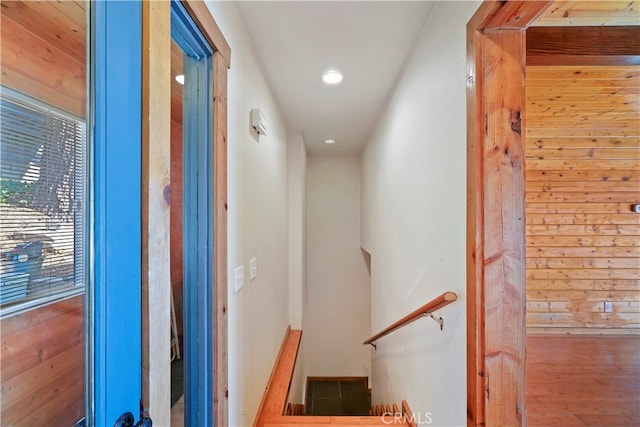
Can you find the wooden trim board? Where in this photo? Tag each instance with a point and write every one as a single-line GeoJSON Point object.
{"type": "Point", "coordinates": [496, 289]}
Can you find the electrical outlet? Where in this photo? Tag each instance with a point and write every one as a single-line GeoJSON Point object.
{"type": "Point", "coordinates": [608, 307]}
{"type": "Point", "coordinates": [239, 278]}
{"type": "Point", "coordinates": [253, 268]}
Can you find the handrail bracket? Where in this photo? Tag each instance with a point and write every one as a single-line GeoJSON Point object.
{"type": "Point", "coordinates": [439, 320]}
{"type": "Point", "coordinates": [426, 310]}
{"type": "Point", "coordinates": [375, 347]}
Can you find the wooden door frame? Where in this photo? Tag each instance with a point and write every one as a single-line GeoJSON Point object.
{"type": "Point", "coordinates": [156, 143]}
{"type": "Point", "coordinates": [496, 285]}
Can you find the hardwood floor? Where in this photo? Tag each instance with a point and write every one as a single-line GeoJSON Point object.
{"type": "Point", "coordinates": [583, 381]}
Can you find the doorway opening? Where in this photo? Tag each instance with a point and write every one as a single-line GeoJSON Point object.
{"type": "Point", "coordinates": [192, 136]}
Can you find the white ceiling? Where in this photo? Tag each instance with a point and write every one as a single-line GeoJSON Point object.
{"type": "Point", "coordinates": [368, 41]}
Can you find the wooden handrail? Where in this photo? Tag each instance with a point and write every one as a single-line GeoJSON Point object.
{"type": "Point", "coordinates": [433, 305]}
{"type": "Point", "coordinates": [274, 400]}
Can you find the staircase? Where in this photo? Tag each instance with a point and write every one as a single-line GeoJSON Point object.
{"type": "Point", "coordinates": [274, 411]}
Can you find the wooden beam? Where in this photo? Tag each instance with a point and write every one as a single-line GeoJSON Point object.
{"type": "Point", "coordinates": [475, 218]}
{"type": "Point", "coordinates": [496, 294]}
{"type": "Point", "coordinates": [583, 45]}
{"type": "Point", "coordinates": [605, 60]}
{"type": "Point", "coordinates": [516, 15]}
{"type": "Point", "coordinates": [156, 154]}
{"type": "Point", "coordinates": [221, 386]}
{"type": "Point", "coordinates": [504, 218]}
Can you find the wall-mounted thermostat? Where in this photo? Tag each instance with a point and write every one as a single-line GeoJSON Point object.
{"type": "Point", "coordinates": [258, 121]}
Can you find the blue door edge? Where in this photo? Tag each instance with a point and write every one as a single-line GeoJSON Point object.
{"type": "Point", "coordinates": [113, 300]}
{"type": "Point", "coordinates": [198, 236]}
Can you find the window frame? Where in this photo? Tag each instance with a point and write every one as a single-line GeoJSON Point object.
{"type": "Point", "coordinates": [80, 280]}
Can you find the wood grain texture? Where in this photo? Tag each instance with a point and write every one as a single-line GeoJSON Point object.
{"type": "Point", "coordinates": [221, 354]}
{"type": "Point", "coordinates": [606, 40]}
{"type": "Point", "coordinates": [203, 19]}
{"type": "Point", "coordinates": [583, 241]}
{"type": "Point", "coordinates": [590, 13]}
{"type": "Point", "coordinates": [495, 222]}
{"type": "Point", "coordinates": [504, 271]}
{"type": "Point", "coordinates": [42, 371]}
{"type": "Point", "coordinates": [43, 55]}
{"type": "Point", "coordinates": [475, 215]}
{"type": "Point", "coordinates": [62, 24]}
{"type": "Point", "coordinates": [583, 381]}
{"type": "Point", "coordinates": [430, 307]}
{"type": "Point", "coordinates": [35, 57]}
{"type": "Point", "coordinates": [573, 45]}
{"type": "Point", "coordinates": [156, 149]}
{"type": "Point", "coordinates": [176, 244]}
{"type": "Point", "coordinates": [274, 400]}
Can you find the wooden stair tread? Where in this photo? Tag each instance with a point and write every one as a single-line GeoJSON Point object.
{"type": "Point", "coordinates": [332, 420]}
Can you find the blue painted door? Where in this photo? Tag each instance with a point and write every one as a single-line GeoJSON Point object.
{"type": "Point", "coordinates": [114, 299]}
{"type": "Point", "coordinates": [197, 216]}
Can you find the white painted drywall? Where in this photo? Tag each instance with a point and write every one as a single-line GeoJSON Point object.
{"type": "Point", "coordinates": [336, 318]}
{"type": "Point", "coordinates": [297, 253]}
{"type": "Point", "coordinates": [258, 223]}
{"type": "Point", "coordinates": [297, 230]}
{"type": "Point", "coordinates": [413, 223]}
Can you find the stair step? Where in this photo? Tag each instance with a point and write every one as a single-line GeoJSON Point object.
{"type": "Point", "coordinates": [334, 420]}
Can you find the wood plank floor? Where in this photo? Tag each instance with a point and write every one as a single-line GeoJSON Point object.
{"type": "Point", "coordinates": [583, 381]}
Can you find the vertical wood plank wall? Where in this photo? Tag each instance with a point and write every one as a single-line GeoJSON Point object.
{"type": "Point", "coordinates": [176, 185]}
{"type": "Point", "coordinates": [582, 178]}
{"type": "Point", "coordinates": [42, 367]}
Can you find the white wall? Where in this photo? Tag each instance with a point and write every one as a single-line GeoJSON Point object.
{"type": "Point", "coordinates": [413, 223]}
{"type": "Point", "coordinates": [297, 227]}
{"type": "Point", "coordinates": [297, 253]}
{"type": "Point", "coordinates": [336, 318]}
{"type": "Point", "coordinates": [258, 224]}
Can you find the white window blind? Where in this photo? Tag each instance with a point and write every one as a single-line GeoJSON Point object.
{"type": "Point", "coordinates": [42, 191]}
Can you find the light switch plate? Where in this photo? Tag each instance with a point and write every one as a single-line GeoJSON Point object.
{"type": "Point", "coordinates": [239, 278]}
{"type": "Point", "coordinates": [253, 268]}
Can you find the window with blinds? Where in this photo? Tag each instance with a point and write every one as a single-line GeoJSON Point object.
{"type": "Point", "coordinates": [42, 199]}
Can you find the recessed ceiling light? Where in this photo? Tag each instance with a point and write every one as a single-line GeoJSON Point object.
{"type": "Point", "coordinates": [329, 141]}
{"type": "Point", "coordinates": [332, 77]}
{"type": "Point", "coordinates": [180, 79]}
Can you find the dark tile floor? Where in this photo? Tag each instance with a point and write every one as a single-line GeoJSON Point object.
{"type": "Point", "coordinates": [339, 397]}
{"type": "Point", "coordinates": [177, 380]}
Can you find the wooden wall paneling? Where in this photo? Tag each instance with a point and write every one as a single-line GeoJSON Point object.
{"type": "Point", "coordinates": [176, 186]}
{"type": "Point", "coordinates": [43, 56]}
{"type": "Point", "coordinates": [50, 410]}
{"type": "Point", "coordinates": [43, 364]}
{"type": "Point", "coordinates": [156, 149]}
{"type": "Point", "coordinates": [41, 70]}
{"type": "Point", "coordinates": [590, 13]}
{"type": "Point", "coordinates": [583, 176]}
{"type": "Point", "coordinates": [63, 22]}
{"type": "Point", "coordinates": [603, 45]}
{"type": "Point", "coordinates": [45, 389]}
{"type": "Point", "coordinates": [47, 340]}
